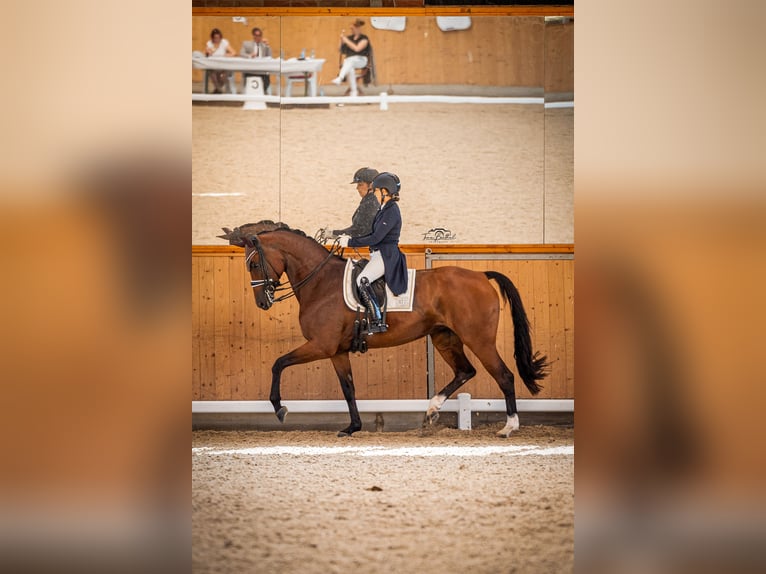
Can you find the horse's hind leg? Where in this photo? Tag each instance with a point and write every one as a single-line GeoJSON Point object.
{"type": "Point", "coordinates": [489, 357]}
{"type": "Point", "coordinates": [450, 347]}
{"type": "Point", "coordinates": [343, 369]}
{"type": "Point", "coordinates": [486, 352]}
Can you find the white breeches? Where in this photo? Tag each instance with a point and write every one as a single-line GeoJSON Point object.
{"type": "Point", "coordinates": [374, 270]}
{"type": "Point", "coordinates": [349, 64]}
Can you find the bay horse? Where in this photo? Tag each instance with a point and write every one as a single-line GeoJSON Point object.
{"type": "Point", "coordinates": [455, 306]}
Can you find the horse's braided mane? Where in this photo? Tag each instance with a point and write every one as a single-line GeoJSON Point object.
{"type": "Point", "coordinates": [267, 225]}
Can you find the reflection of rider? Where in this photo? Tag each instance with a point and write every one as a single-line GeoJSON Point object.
{"type": "Point", "coordinates": [385, 257]}
{"type": "Point", "coordinates": [361, 221]}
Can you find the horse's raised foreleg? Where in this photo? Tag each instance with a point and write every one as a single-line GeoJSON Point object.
{"type": "Point", "coordinates": [343, 369]}
{"type": "Point", "coordinates": [450, 347]}
{"type": "Point", "coordinates": [304, 354]}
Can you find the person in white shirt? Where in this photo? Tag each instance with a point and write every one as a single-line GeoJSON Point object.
{"type": "Point", "coordinates": [218, 46]}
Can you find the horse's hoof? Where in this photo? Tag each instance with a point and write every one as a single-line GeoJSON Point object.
{"type": "Point", "coordinates": [348, 431]}
{"type": "Point", "coordinates": [281, 414]}
{"type": "Point", "coordinates": [503, 433]}
{"type": "Point", "coordinates": [432, 417]}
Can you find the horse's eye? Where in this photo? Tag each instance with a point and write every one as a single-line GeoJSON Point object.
{"type": "Point", "coordinates": [253, 265]}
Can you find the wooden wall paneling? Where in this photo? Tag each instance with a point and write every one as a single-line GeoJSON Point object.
{"type": "Point", "coordinates": [559, 57]}
{"type": "Point", "coordinates": [298, 375]}
{"type": "Point", "coordinates": [413, 376]}
{"type": "Point", "coordinates": [207, 329]}
{"type": "Point", "coordinates": [495, 51]}
{"type": "Point", "coordinates": [373, 384]}
{"type": "Point", "coordinates": [359, 366]}
{"type": "Point", "coordinates": [222, 329]}
{"type": "Point", "coordinates": [322, 34]}
{"type": "Point", "coordinates": [269, 350]}
{"type": "Point", "coordinates": [235, 343]}
{"type": "Point", "coordinates": [254, 364]}
{"type": "Point", "coordinates": [435, 57]}
{"type": "Point", "coordinates": [389, 361]}
{"type": "Point", "coordinates": [569, 268]}
{"type": "Point", "coordinates": [410, 377]}
{"type": "Point", "coordinates": [556, 349]}
{"type": "Point", "coordinates": [327, 385]}
{"type": "Point", "coordinates": [541, 322]}
{"type": "Point", "coordinates": [237, 336]}
{"type": "Point", "coordinates": [195, 318]}
{"type": "Point", "coordinates": [279, 316]}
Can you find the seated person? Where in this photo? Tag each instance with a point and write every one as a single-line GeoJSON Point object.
{"type": "Point", "coordinates": [258, 47]}
{"type": "Point", "coordinates": [356, 49]}
{"type": "Point", "coordinates": [218, 46]}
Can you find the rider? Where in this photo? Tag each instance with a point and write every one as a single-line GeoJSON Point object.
{"type": "Point", "coordinates": [361, 221]}
{"type": "Point", "coordinates": [385, 257]}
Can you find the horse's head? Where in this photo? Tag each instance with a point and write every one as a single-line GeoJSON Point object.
{"type": "Point", "coordinates": [264, 271]}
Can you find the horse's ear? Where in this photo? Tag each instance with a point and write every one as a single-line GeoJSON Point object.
{"type": "Point", "coordinates": [233, 237]}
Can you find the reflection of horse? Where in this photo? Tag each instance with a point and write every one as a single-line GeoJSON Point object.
{"type": "Point", "coordinates": [455, 306]}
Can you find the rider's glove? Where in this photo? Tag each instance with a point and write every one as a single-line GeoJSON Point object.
{"type": "Point", "coordinates": [343, 240]}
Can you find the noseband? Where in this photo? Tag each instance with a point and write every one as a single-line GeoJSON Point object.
{"type": "Point", "coordinates": [269, 285]}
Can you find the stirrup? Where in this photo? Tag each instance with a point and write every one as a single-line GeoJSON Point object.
{"type": "Point", "coordinates": [376, 326]}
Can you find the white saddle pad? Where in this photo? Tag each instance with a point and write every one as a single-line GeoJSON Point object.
{"type": "Point", "coordinates": [401, 302]}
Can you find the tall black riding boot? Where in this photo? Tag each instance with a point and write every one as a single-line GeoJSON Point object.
{"type": "Point", "coordinates": [376, 324]}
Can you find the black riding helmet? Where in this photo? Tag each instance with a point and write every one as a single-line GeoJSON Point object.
{"type": "Point", "coordinates": [365, 174]}
{"type": "Point", "coordinates": [388, 181]}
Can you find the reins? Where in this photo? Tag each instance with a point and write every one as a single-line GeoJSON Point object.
{"type": "Point", "coordinates": [271, 286]}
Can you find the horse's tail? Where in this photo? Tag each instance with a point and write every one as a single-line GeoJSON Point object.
{"type": "Point", "coordinates": [532, 367]}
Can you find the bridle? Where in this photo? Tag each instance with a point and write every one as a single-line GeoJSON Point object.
{"type": "Point", "coordinates": [271, 286]}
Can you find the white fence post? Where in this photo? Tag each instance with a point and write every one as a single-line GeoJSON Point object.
{"type": "Point", "coordinates": [464, 411]}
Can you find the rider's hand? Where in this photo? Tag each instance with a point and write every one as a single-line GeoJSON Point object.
{"type": "Point", "coordinates": [343, 240]}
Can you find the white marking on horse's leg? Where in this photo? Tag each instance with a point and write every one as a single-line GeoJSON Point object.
{"type": "Point", "coordinates": [511, 425]}
{"type": "Point", "coordinates": [435, 404]}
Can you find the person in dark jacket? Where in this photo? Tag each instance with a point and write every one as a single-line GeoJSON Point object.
{"type": "Point", "coordinates": [386, 260]}
{"type": "Point", "coordinates": [361, 221]}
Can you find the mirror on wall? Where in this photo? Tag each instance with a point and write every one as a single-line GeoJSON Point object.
{"type": "Point", "coordinates": [558, 213]}
{"type": "Point", "coordinates": [455, 109]}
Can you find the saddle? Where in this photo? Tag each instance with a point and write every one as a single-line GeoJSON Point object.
{"type": "Point", "coordinates": [359, 341]}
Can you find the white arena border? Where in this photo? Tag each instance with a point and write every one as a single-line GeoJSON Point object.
{"type": "Point", "coordinates": [380, 451]}
{"type": "Point", "coordinates": [383, 99]}
{"type": "Point", "coordinates": [384, 406]}
{"type": "Point", "coordinates": [463, 406]}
